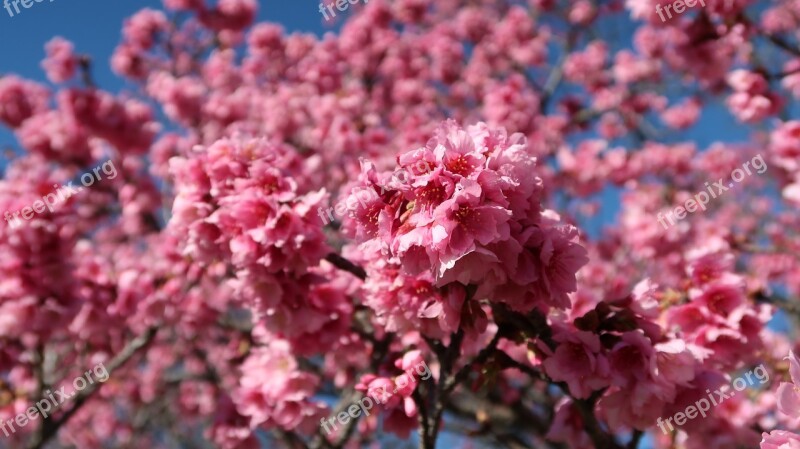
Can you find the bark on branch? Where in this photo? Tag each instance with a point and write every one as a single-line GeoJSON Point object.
{"type": "Point", "coordinates": [49, 428]}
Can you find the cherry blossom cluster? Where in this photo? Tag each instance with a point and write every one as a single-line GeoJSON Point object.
{"type": "Point", "coordinates": [382, 391]}
{"type": "Point", "coordinates": [702, 406]}
{"type": "Point", "coordinates": [50, 200]}
{"type": "Point", "coordinates": [474, 219]}
{"type": "Point", "coordinates": [239, 200]}
{"type": "Point", "coordinates": [365, 194]}
{"type": "Point", "coordinates": [701, 199]}
{"type": "Point", "coordinates": [788, 402]}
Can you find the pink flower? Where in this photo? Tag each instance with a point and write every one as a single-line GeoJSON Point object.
{"type": "Point", "coordinates": [578, 362]}
{"type": "Point", "coordinates": [644, 300]}
{"type": "Point", "coordinates": [780, 439]}
{"type": "Point", "coordinates": [258, 214]}
{"type": "Point", "coordinates": [638, 406]}
{"type": "Point", "coordinates": [586, 67]}
{"type": "Point", "coordinates": [230, 430]}
{"type": "Point", "coordinates": [791, 82]}
{"type": "Point", "coordinates": [785, 145]}
{"type": "Point", "coordinates": [631, 359]}
{"type": "Point", "coordinates": [675, 363]}
{"type": "Point", "coordinates": [61, 60]}
{"type": "Point", "coordinates": [712, 267]}
{"type": "Point", "coordinates": [560, 257]}
{"type": "Point", "coordinates": [792, 192]}
{"type": "Point", "coordinates": [140, 29]}
{"type": "Point", "coordinates": [452, 213]}
{"type": "Point", "coordinates": [129, 61]}
{"type": "Point", "coordinates": [284, 401]}
{"type": "Point", "coordinates": [720, 298]}
{"type": "Point", "coordinates": [56, 136]}
{"type": "Point", "coordinates": [183, 4]}
{"type": "Point", "coordinates": [751, 100]}
{"type": "Point", "coordinates": [126, 124]}
{"type": "Point", "coordinates": [630, 68]}
{"type": "Point", "coordinates": [462, 222]}
{"type": "Point", "coordinates": [582, 12]}
{"type": "Point", "coordinates": [567, 426]}
{"type": "Point", "coordinates": [466, 229]}
{"type": "Point", "coordinates": [789, 393]}
{"type": "Point", "coordinates": [511, 104]}
{"type": "Point", "coordinates": [644, 9]}
{"type": "Point", "coordinates": [683, 115]}
{"type": "Point", "coordinates": [234, 15]}
{"type": "Point", "coordinates": [448, 309]}
{"type": "Point", "coordinates": [21, 99]}
{"type": "Point", "coordinates": [381, 390]}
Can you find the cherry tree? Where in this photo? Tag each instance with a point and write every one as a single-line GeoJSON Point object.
{"type": "Point", "coordinates": [404, 213]}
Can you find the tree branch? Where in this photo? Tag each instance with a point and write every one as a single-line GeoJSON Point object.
{"type": "Point", "coordinates": [345, 265]}
{"type": "Point", "coordinates": [481, 358]}
{"type": "Point", "coordinates": [50, 428]}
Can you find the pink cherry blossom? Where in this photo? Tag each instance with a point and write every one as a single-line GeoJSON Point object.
{"type": "Point", "coordinates": [578, 363]}
{"type": "Point", "coordinates": [61, 61]}
{"type": "Point", "coordinates": [788, 393]}
{"type": "Point", "coordinates": [780, 439]}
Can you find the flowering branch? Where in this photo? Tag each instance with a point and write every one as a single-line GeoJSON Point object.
{"type": "Point", "coordinates": [49, 428]}
{"type": "Point", "coordinates": [345, 265]}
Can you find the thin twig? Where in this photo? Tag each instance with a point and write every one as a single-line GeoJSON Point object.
{"type": "Point", "coordinates": [782, 43]}
{"type": "Point", "coordinates": [345, 265]}
{"type": "Point", "coordinates": [637, 435]}
{"type": "Point", "coordinates": [482, 356]}
{"type": "Point", "coordinates": [85, 63]}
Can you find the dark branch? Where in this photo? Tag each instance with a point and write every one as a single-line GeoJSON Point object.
{"type": "Point", "coordinates": [345, 265]}
{"type": "Point", "coordinates": [50, 427]}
